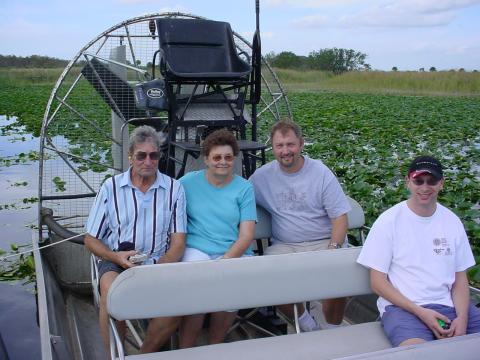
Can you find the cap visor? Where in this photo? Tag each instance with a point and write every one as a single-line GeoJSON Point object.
{"type": "Point", "coordinates": [417, 173]}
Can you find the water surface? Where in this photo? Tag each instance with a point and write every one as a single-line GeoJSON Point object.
{"type": "Point", "coordinates": [18, 324]}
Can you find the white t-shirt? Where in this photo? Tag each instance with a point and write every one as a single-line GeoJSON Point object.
{"type": "Point", "coordinates": [419, 254]}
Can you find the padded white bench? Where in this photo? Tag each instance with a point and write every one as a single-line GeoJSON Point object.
{"type": "Point", "coordinates": [188, 288]}
{"type": "Point", "coordinates": [208, 286]}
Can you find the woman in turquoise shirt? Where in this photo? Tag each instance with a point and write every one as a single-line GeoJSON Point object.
{"type": "Point", "coordinates": [221, 215]}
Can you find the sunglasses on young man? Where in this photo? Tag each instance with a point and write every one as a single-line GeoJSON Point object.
{"type": "Point", "coordinates": [431, 181]}
{"type": "Point", "coordinates": [227, 158]}
{"type": "Point", "coordinates": [141, 155]}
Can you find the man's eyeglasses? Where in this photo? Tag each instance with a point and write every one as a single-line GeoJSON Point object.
{"type": "Point", "coordinates": [141, 155]}
{"type": "Point", "coordinates": [227, 158]}
{"type": "Point", "coordinates": [431, 181]}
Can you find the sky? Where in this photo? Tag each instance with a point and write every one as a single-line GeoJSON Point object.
{"type": "Point", "coordinates": [408, 34]}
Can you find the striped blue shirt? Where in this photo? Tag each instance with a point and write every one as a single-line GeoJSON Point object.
{"type": "Point", "coordinates": [121, 212]}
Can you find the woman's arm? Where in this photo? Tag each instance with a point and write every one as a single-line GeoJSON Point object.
{"type": "Point", "coordinates": [245, 238]}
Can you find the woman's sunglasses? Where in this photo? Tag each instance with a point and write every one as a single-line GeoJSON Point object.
{"type": "Point", "coordinates": [227, 158]}
{"type": "Point", "coordinates": [431, 181]}
{"type": "Point", "coordinates": [141, 155]}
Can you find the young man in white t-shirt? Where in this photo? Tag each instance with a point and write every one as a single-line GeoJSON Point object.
{"type": "Point", "coordinates": [418, 254]}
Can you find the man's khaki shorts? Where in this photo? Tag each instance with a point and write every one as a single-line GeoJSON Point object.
{"type": "Point", "coordinates": [296, 247]}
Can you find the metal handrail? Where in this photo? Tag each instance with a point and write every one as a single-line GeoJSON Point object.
{"type": "Point", "coordinates": [54, 226]}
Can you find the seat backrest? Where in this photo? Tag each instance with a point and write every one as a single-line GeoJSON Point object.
{"type": "Point", "coordinates": [263, 228]}
{"type": "Point", "coordinates": [208, 286]}
{"type": "Point", "coordinates": [200, 48]}
{"type": "Point", "coordinates": [117, 93]}
{"type": "Point", "coordinates": [356, 216]}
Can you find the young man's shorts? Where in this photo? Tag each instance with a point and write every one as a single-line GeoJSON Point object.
{"type": "Point", "coordinates": [296, 247]}
{"type": "Point", "coordinates": [400, 325]}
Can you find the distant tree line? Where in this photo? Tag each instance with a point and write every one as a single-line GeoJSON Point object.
{"type": "Point", "coordinates": [434, 69]}
{"type": "Point", "coordinates": [335, 60]}
{"type": "Point", "coordinates": [34, 61]}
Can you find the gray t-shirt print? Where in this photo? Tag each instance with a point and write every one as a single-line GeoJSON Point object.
{"type": "Point", "coordinates": [289, 200]}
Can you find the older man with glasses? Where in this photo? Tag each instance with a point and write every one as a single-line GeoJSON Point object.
{"type": "Point", "coordinates": [418, 254]}
{"type": "Point", "coordinates": [139, 217]}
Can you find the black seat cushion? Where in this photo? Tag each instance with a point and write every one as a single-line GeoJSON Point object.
{"type": "Point", "coordinates": [195, 49]}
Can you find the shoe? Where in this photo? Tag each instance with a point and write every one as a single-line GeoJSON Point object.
{"type": "Point", "coordinates": [307, 323]}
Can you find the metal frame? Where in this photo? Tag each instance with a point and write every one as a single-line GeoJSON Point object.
{"type": "Point", "coordinates": [112, 327]}
{"type": "Point", "coordinates": [92, 49]}
{"type": "Point", "coordinates": [61, 106]}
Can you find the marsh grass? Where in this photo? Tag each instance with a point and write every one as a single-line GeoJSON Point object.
{"type": "Point", "coordinates": [401, 82]}
{"type": "Point", "coordinates": [31, 76]}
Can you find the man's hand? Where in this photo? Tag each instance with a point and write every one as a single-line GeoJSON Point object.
{"type": "Point", "coordinates": [122, 258]}
{"type": "Point", "coordinates": [430, 317]}
{"type": "Point", "coordinates": [458, 327]}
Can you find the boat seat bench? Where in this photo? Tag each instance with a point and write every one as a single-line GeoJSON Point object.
{"type": "Point", "coordinates": [321, 344]}
{"type": "Point", "coordinates": [201, 287]}
{"type": "Point", "coordinates": [338, 343]}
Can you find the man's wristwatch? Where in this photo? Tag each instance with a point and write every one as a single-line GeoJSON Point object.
{"type": "Point", "coordinates": [334, 245]}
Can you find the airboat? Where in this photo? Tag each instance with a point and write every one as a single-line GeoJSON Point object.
{"type": "Point", "coordinates": [184, 75]}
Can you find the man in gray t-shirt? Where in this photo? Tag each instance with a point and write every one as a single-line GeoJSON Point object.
{"type": "Point", "coordinates": [307, 205]}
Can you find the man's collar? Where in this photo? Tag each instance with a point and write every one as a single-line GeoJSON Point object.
{"type": "Point", "coordinates": [125, 180]}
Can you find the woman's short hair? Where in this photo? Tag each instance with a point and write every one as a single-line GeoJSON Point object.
{"type": "Point", "coordinates": [284, 126]}
{"type": "Point", "coordinates": [220, 138]}
{"type": "Point", "coordinates": [143, 134]}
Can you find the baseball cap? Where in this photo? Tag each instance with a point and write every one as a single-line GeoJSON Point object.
{"type": "Point", "coordinates": [425, 165]}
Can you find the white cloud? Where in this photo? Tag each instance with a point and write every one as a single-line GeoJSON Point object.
{"type": "Point", "coordinates": [396, 18]}
{"type": "Point", "coordinates": [312, 21]}
{"type": "Point", "coordinates": [394, 14]}
{"type": "Point", "coordinates": [248, 35]}
{"type": "Point", "coordinates": [308, 3]}
{"type": "Point", "coordinates": [410, 5]}
{"type": "Point", "coordinates": [177, 8]}
{"type": "Point", "coordinates": [136, 2]}
{"type": "Point", "coordinates": [432, 6]}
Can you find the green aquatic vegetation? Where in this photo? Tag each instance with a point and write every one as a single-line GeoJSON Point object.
{"type": "Point", "coordinates": [22, 205]}
{"type": "Point", "coordinates": [11, 129]}
{"type": "Point", "coordinates": [19, 184]}
{"type": "Point", "coordinates": [12, 206]}
{"type": "Point", "coordinates": [474, 272]}
{"type": "Point", "coordinates": [30, 200]}
{"type": "Point", "coordinates": [366, 139]}
{"type": "Point", "coordinates": [17, 139]}
{"type": "Point", "coordinates": [59, 184]}
{"type": "Point", "coordinates": [17, 268]}
{"type": "Point", "coordinates": [24, 101]}
{"type": "Point", "coordinates": [20, 158]}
